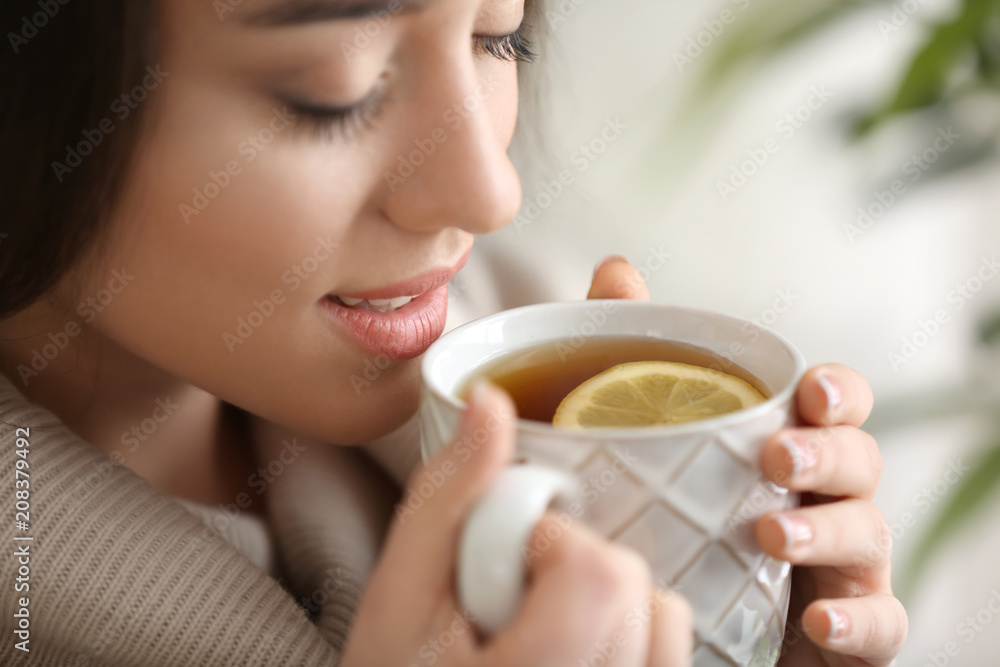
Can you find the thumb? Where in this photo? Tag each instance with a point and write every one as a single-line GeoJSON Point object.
{"type": "Point", "coordinates": [615, 278]}
{"type": "Point", "coordinates": [423, 541]}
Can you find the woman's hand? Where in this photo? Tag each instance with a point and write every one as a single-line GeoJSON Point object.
{"type": "Point", "coordinates": [843, 595]}
{"type": "Point", "coordinates": [838, 540]}
{"type": "Point", "coordinates": [587, 601]}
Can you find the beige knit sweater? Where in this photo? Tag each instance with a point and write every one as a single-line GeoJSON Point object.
{"type": "Point", "coordinates": [120, 574]}
{"type": "Point", "coordinates": [112, 571]}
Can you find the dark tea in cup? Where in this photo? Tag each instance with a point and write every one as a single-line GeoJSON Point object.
{"type": "Point", "coordinates": [539, 377]}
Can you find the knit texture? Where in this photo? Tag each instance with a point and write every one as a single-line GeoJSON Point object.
{"type": "Point", "coordinates": [123, 574]}
{"type": "Point", "coordinates": [249, 533]}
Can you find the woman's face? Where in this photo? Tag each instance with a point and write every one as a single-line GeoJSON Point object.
{"type": "Point", "coordinates": [303, 155]}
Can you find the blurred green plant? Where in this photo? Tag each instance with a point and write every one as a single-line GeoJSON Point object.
{"type": "Point", "coordinates": [957, 59]}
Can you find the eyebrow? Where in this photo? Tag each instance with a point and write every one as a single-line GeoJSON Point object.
{"type": "Point", "coordinates": [314, 11]}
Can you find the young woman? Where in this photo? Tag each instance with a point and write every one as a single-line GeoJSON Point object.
{"type": "Point", "coordinates": [228, 229]}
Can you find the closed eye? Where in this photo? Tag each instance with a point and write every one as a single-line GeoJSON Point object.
{"type": "Point", "coordinates": [511, 48]}
{"type": "Point", "coordinates": [324, 120]}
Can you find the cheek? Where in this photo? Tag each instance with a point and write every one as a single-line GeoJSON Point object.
{"type": "Point", "coordinates": [214, 219]}
{"type": "Point", "coordinates": [232, 229]}
{"type": "Point", "coordinates": [231, 201]}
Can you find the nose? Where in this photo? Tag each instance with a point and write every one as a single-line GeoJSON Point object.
{"type": "Point", "coordinates": [451, 167]}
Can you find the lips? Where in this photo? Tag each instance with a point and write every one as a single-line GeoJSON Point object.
{"type": "Point", "coordinates": [400, 320]}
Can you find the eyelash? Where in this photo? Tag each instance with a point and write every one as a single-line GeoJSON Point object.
{"type": "Point", "coordinates": [325, 121]}
{"type": "Point", "coordinates": [515, 47]}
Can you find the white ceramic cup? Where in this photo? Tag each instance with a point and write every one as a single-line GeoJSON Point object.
{"type": "Point", "coordinates": [685, 496]}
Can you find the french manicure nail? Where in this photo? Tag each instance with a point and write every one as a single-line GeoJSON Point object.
{"type": "Point", "coordinates": [802, 456]}
{"type": "Point", "coordinates": [832, 390]}
{"type": "Point", "coordinates": [797, 530]}
{"type": "Point", "coordinates": [839, 624]}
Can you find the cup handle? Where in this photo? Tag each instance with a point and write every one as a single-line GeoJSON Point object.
{"type": "Point", "coordinates": [491, 563]}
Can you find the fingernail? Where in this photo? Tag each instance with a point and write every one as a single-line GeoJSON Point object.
{"type": "Point", "coordinates": [797, 530]}
{"type": "Point", "coordinates": [832, 390]}
{"type": "Point", "coordinates": [610, 259]}
{"type": "Point", "coordinates": [839, 624]}
{"type": "Point", "coordinates": [802, 455]}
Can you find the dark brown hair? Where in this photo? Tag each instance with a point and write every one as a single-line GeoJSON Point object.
{"type": "Point", "coordinates": [65, 149]}
{"type": "Point", "coordinates": [66, 135]}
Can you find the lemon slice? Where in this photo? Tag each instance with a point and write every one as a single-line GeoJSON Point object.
{"type": "Point", "coordinates": [653, 393]}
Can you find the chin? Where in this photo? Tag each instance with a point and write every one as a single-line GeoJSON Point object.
{"type": "Point", "coordinates": [383, 406]}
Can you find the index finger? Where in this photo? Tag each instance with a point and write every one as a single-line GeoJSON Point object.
{"type": "Point", "coordinates": [833, 394]}
{"type": "Point", "coordinates": [423, 539]}
{"type": "Point", "coordinates": [615, 278]}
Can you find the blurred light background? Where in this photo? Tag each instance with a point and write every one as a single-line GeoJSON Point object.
{"type": "Point", "coordinates": [694, 90]}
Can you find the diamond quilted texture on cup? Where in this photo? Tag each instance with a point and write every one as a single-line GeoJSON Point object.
{"type": "Point", "coordinates": [710, 486]}
{"type": "Point", "coordinates": [740, 633]}
{"type": "Point", "coordinates": [706, 656]}
{"type": "Point", "coordinates": [609, 492]}
{"type": "Point", "coordinates": [740, 531]}
{"type": "Point", "coordinates": [746, 440]}
{"type": "Point", "coordinates": [667, 540]}
{"type": "Point", "coordinates": [657, 461]}
{"type": "Point", "coordinates": [773, 575]}
{"type": "Point", "coordinates": [711, 585]}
